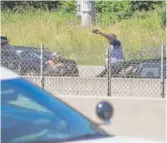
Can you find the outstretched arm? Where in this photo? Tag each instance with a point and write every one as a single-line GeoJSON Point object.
{"type": "Point", "coordinates": [110, 38]}
{"type": "Point", "coordinates": [107, 36]}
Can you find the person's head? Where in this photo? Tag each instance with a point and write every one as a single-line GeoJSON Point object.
{"type": "Point", "coordinates": [57, 57]}
{"type": "Point", "coordinates": [113, 36]}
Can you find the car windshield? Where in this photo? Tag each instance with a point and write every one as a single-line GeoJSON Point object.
{"type": "Point", "coordinates": [35, 53]}
{"type": "Point", "coordinates": [150, 69]}
{"type": "Point", "coordinates": [30, 114]}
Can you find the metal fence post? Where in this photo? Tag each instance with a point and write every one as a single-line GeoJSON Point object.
{"type": "Point", "coordinates": [42, 68]}
{"type": "Point", "coordinates": [162, 71]}
{"type": "Point", "coordinates": [109, 72]}
{"type": "Point", "coordinates": [19, 64]}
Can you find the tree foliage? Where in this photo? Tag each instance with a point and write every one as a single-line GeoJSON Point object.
{"type": "Point", "coordinates": [114, 10]}
{"type": "Point", "coordinates": [101, 6]}
{"type": "Point", "coordinates": [17, 5]}
{"type": "Point", "coordinates": [163, 19]}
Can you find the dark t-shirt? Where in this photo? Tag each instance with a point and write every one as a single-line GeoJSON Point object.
{"type": "Point", "coordinates": [116, 51]}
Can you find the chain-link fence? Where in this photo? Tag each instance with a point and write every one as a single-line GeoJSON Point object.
{"type": "Point", "coordinates": [143, 76]}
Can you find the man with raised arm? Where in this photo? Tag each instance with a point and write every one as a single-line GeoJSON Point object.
{"type": "Point", "coordinates": [116, 50]}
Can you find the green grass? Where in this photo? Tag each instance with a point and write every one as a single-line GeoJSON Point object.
{"type": "Point", "coordinates": [62, 32]}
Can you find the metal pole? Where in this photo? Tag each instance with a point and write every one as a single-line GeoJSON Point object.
{"type": "Point", "coordinates": [87, 11]}
{"type": "Point", "coordinates": [109, 72]}
{"type": "Point", "coordinates": [93, 11]}
{"type": "Point", "coordinates": [19, 65]}
{"type": "Point", "coordinates": [162, 71]}
{"type": "Point", "coordinates": [42, 75]}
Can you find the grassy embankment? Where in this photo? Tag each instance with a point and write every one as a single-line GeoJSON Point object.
{"type": "Point", "coordinates": [62, 32]}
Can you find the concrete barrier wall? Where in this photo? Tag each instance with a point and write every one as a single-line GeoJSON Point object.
{"type": "Point", "coordinates": [145, 118]}
{"type": "Point", "coordinates": [89, 70]}
{"type": "Point", "coordinates": [98, 86]}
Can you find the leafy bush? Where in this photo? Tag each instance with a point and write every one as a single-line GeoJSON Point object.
{"type": "Point", "coordinates": [67, 6]}
{"type": "Point", "coordinates": [110, 11]}
{"type": "Point", "coordinates": [145, 5]}
{"type": "Point", "coordinates": [163, 19]}
{"type": "Point", "coordinates": [26, 5]}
